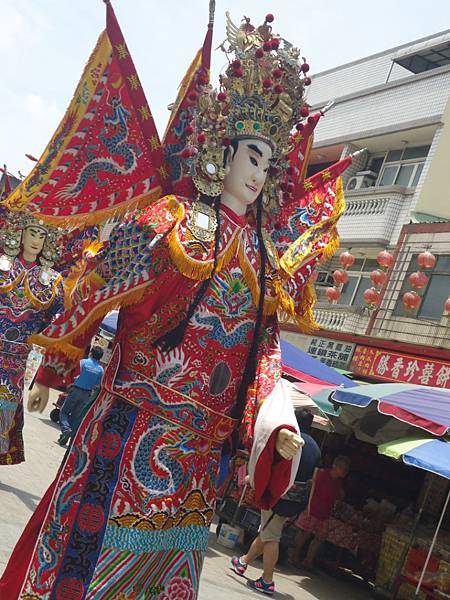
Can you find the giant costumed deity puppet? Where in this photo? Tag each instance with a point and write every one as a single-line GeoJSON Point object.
{"type": "Point", "coordinates": [200, 276]}
{"type": "Point", "coordinates": [30, 296]}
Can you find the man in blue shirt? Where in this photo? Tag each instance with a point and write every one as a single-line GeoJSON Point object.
{"type": "Point", "coordinates": [91, 373]}
{"type": "Point", "coordinates": [311, 455]}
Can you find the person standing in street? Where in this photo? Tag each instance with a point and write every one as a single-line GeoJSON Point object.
{"type": "Point", "coordinates": [326, 491]}
{"type": "Point", "coordinates": [91, 373]}
{"type": "Point", "coordinates": [268, 539]}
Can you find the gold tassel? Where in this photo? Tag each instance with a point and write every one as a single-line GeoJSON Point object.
{"type": "Point", "coordinates": [270, 304]}
{"type": "Point", "coordinates": [198, 269]}
{"type": "Point", "coordinates": [303, 315]}
{"type": "Point", "coordinates": [68, 350]}
{"type": "Point", "coordinates": [96, 217]}
{"type": "Point", "coordinates": [78, 270]}
{"type": "Point", "coordinates": [98, 312]}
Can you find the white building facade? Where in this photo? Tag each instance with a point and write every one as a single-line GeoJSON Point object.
{"type": "Point", "coordinates": [396, 106]}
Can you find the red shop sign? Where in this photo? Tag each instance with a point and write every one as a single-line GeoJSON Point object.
{"type": "Point", "coordinates": [392, 366]}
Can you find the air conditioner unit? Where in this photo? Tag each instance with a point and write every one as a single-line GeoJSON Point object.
{"type": "Point", "coordinates": [362, 179]}
{"type": "Point", "coordinates": [324, 279]}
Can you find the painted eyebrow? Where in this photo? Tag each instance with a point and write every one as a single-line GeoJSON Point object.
{"type": "Point", "coordinates": [255, 149]}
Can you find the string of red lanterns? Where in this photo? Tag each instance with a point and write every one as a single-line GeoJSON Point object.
{"type": "Point", "coordinates": [340, 277]}
{"type": "Point", "coordinates": [378, 277]}
{"type": "Point", "coordinates": [419, 281]}
{"type": "Point", "coordinates": [411, 299]}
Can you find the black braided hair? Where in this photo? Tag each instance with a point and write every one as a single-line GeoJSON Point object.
{"type": "Point", "coordinates": [251, 364]}
{"type": "Point", "coordinates": [170, 340]}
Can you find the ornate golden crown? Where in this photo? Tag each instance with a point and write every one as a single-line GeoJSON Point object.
{"type": "Point", "coordinates": [261, 95]}
{"type": "Point", "coordinates": [11, 236]}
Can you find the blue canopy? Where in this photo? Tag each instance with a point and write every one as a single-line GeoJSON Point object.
{"type": "Point", "coordinates": [433, 456]}
{"type": "Point", "coordinates": [109, 323]}
{"type": "Point", "coordinates": [297, 360]}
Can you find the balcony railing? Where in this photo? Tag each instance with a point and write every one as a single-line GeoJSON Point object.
{"type": "Point", "coordinates": [372, 214]}
{"type": "Point", "coordinates": [341, 318]}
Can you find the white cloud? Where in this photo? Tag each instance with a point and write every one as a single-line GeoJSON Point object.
{"type": "Point", "coordinates": [22, 24]}
{"type": "Point", "coordinates": [42, 109]}
{"type": "Point", "coordinates": [13, 26]}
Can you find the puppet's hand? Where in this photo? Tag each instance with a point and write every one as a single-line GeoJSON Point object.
{"type": "Point", "coordinates": [38, 397]}
{"type": "Point", "coordinates": [288, 443]}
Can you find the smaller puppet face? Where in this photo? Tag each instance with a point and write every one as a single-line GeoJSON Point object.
{"type": "Point", "coordinates": [33, 239]}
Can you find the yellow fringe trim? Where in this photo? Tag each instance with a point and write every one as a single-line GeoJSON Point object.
{"type": "Point", "coordinates": [74, 276]}
{"type": "Point", "coordinates": [289, 264]}
{"type": "Point", "coordinates": [67, 349]}
{"type": "Point", "coordinates": [305, 321]}
{"type": "Point", "coordinates": [270, 304]}
{"type": "Point", "coordinates": [97, 313]}
{"type": "Point", "coordinates": [96, 217]}
{"type": "Point", "coordinates": [303, 317]}
{"type": "Point", "coordinates": [78, 270]}
{"type": "Point", "coordinates": [198, 269]}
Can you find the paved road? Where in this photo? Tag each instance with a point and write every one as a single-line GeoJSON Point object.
{"type": "Point", "coordinates": [21, 487]}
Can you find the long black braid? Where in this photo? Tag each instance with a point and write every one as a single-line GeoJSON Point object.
{"type": "Point", "coordinates": [170, 340]}
{"type": "Point", "coordinates": [251, 364]}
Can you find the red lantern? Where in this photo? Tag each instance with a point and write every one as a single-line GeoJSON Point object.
{"type": "Point", "coordinates": [340, 277]}
{"type": "Point", "coordinates": [378, 277]}
{"type": "Point", "coordinates": [385, 259]}
{"type": "Point", "coordinates": [426, 260]}
{"type": "Point", "coordinates": [418, 279]}
{"type": "Point", "coordinates": [447, 306]}
{"type": "Point", "coordinates": [371, 296]}
{"type": "Point", "coordinates": [411, 300]}
{"type": "Point", "coordinates": [346, 259]}
{"type": "Point", "coordinates": [333, 294]}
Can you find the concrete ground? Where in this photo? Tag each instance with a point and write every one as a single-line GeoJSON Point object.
{"type": "Point", "coordinates": [21, 487]}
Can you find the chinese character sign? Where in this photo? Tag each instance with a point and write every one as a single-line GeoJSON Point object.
{"type": "Point", "coordinates": [332, 353]}
{"type": "Point", "coordinates": [392, 366]}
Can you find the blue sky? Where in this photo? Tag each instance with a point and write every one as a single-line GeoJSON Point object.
{"type": "Point", "coordinates": [44, 45]}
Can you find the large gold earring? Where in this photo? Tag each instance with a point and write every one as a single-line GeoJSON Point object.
{"type": "Point", "coordinates": [209, 171]}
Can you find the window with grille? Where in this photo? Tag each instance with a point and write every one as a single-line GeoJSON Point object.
{"type": "Point", "coordinates": [358, 282]}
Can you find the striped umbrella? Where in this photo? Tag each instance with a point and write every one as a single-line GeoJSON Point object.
{"type": "Point", "coordinates": [420, 406]}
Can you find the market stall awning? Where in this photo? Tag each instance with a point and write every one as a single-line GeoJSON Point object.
{"type": "Point", "coordinates": [301, 365]}
{"type": "Point", "coordinates": [319, 395]}
{"type": "Point", "coordinates": [425, 407]}
{"type": "Point", "coordinates": [424, 453]}
{"type": "Point", "coordinates": [302, 400]}
{"type": "Point", "coordinates": [109, 323]}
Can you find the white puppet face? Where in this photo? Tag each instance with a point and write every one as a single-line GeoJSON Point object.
{"type": "Point", "coordinates": [246, 172]}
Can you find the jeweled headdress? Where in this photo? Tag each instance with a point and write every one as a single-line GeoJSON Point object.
{"type": "Point", "coordinates": [11, 236]}
{"type": "Point", "coordinates": [261, 96]}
